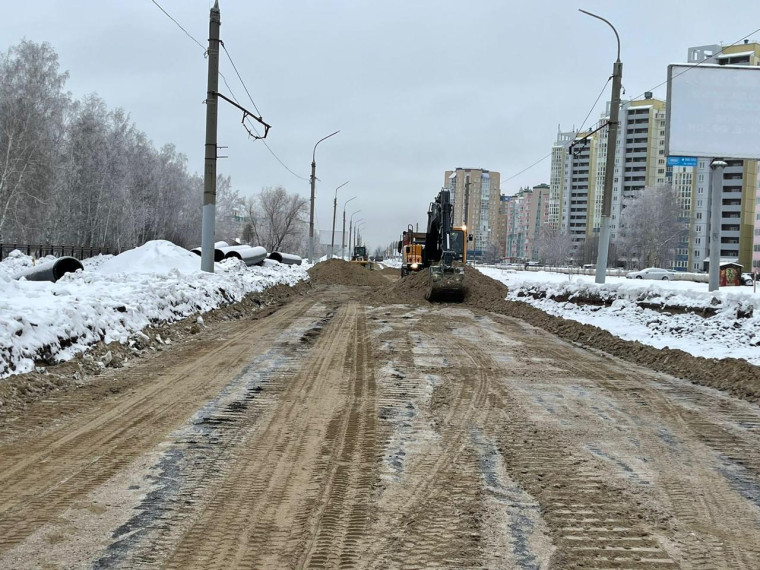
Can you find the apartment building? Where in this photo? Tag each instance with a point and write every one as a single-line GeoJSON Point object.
{"type": "Point", "coordinates": [573, 185]}
{"type": "Point", "coordinates": [740, 186]}
{"type": "Point", "coordinates": [525, 213]}
{"type": "Point", "coordinates": [475, 193]}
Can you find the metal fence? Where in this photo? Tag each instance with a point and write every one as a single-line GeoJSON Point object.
{"type": "Point", "coordinates": [41, 250]}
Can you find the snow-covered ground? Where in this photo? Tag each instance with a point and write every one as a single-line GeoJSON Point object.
{"type": "Point", "coordinates": [116, 297]}
{"type": "Point", "coordinates": [720, 336]}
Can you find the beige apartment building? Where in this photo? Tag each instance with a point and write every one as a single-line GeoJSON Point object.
{"type": "Point", "coordinates": [475, 193]}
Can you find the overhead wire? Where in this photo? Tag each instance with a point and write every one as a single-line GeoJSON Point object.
{"type": "Point", "coordinates": [179, 25]}
{"type": "Point", "coordinates": [205, 51]}
{"type": "Point", "coordinates": [698, 63]}
{"type": "Point", "coordinates": [638, 96]}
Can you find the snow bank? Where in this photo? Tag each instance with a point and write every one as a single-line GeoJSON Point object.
{"type": "Point", "coordinates": [148, 285]}
{"type": "Point", "coordinates": [158, 256]}
{"type": "Point", "coordinates": [732, 331]}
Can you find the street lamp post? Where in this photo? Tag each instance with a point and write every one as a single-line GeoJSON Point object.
{"type": "Point", "coordinates": [609, 173]}
{"type": "Point", "coordinates": [343, 233]}
{"type": "Point", "coordinates": [311, 207]}
{"type": "Point", "coordinates": [357, 237]}
{"type": "Point", "coordinates": [350, 228]}
{"type": "Point", "coordinates": [335, 209]}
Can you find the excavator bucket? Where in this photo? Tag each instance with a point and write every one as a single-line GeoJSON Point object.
{"type": "Point", "coordinates": [445, 284]}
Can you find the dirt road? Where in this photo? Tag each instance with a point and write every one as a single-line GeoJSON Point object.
{"type": "Point", "coordinates": [340, 432]}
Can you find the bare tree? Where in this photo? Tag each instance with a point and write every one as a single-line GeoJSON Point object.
{"type": "Point", "coordinates": [276, 219]}
{"type": "Point", "coordinates": [554, 245]}
{"type": "Point", "coordinates": [651, 227]}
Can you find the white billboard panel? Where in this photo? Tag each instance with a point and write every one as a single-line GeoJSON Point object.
{"type": "Point", "coordinates": [713, 111]}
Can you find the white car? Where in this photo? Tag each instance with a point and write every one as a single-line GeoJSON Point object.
{"type": "Point", "coordinates": [651, 273]}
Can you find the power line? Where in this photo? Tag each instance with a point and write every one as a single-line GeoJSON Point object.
{"type": "Point", "coordinates": [594, 105]}
{"type": "Point", "coordinates": [240, 78]}
{"type": "Point", "coordinates": [179, 26]}
{"type": "Point", "coordinates": [540, 160]}
{"type": "Point", "coordinates": [698, 63]}
{"type": "Point", "coordinates": [277, 158]}
{"type": "Point", "coordinates": [642, 94]}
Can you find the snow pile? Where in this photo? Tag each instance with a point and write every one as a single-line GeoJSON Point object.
{"type": "Point", "coordinates": [648, 311]}
{"type": "Point", "coordinates": [50, 322]}
{"type": "Point", "coordinates": [16, 262]}
{"type": "Point", "coordinates": [93, 263]}
{"type": "Point", "coordinates": [158, 256]}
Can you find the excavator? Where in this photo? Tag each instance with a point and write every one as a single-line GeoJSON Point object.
{"type": "Point", "coordinates": [445, 252]}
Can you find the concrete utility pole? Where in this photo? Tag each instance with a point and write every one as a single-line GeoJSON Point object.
{"type": "Point", "coordinates": [335, 211]}
{"type": "Point", "coordinates": [466, 199]}
{"type": "Point", "coordinates": [716, 189]}
{"type": "Point", "coordinates": [343, 234]}
{"type": "Point", "coordinates": [350, 228]}
{"type": "Point", "coordinates": [311, 207]}
{"type": "Point", "coordinates": [209, 172]}
{"type": "Point", "coordinates": [609, 172]}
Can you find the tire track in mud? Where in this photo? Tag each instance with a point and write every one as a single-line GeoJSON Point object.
{"type": "Point", "coordinates": [198, 457]}
{"type": "Point", "coordinates": [593, 524]}
{"type": "Point", "coordinates": [299, 493]}
{"type": "Point", "coordinates": [42, 476]}
{"type": "Point", "coordinates": [697, 443]}
{"type": "Point", "coordinates": [434, 393]}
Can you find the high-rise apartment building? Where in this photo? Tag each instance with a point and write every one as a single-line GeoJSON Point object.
{"type": "Point", "coordinates": [526, 212]}
{"type": "Point", "coordinates": [573, 185]}
{"type": "Point", "coordinates": [740, 186]}
{"type": "Point", "coordinates": [475, 193]}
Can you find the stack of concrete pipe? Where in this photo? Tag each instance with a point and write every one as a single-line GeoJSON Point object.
{"type": "Point", "coordinates": [51, 270]}
{"type": "Point", "coordinates": [218, 253]}
{"type": "Point", "coordinates": [286, 258]}
{"type": "Point", "coordinates": [251, 255]}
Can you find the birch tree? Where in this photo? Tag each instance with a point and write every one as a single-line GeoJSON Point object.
{"type": "Point", "coordinates": [651, 228]}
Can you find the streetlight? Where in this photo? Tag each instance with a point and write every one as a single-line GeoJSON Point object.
{"type": "Point", "coordinates": [350, 228]}
{"type": "Point", "coordinates": [343, 234]}
{"type": "Point", "coordinates": [357, 237]}
{"type": "Point", "coordinates": [604, 226]}
{"type": "Point", "coordinates": [311, 208]}
{"type": "Point", "coordinates": [335, 208]}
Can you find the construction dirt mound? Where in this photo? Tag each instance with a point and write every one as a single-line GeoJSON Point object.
{"type": "Point", "coordinates": [480, 291]}
{"type": "Point", "coordinates": [339, 272]}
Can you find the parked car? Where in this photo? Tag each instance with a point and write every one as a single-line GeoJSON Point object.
{"type": "Point", "coordinates": [651, 273]}
{"type": "Point", "coordinates": [746, 279]}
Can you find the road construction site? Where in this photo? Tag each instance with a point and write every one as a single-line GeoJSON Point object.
{"type": "Point", "coordinates": [347, 422]}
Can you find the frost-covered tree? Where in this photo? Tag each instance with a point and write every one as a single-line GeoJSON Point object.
{"type": "Point", "coordinates": [651, 227]}
{"type": "Point", "coordinates": [276, 218]}
{"type": "Point", "coordinates": [32, 110]}
{"type": "Point", "coordinates": [554, 245]}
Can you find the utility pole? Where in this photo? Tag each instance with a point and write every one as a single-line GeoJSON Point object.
{"type": "Point", "coordinates": [209, 172]}
{"type": "Point", "coordinates": [609, 172]}
{"type": "Point", "coordinates": [716, 188]}
{"type": "Point", "coordinates": [343, 234]}
{"type": "Point", "coordinates": [313, 180]}
{"type": "Point", "coordinates": [466, 198]}
{"type": "Point", "coordinates": [335, 211]}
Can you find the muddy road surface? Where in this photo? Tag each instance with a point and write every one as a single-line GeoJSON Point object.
{"type": "Point", "coordinates": [347, 429]}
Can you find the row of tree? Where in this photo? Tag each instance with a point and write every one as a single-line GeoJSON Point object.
{"type": "Point", "coordinates": [76, 172]}
{"type": "Point", "coordinates": [652, 228]}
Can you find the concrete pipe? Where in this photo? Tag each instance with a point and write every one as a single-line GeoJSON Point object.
{"type": "Point", "coordinates": [218, 250]}
{"type": "Point", "coordinates": [51, 270]}
{"type": "Point", "coordinates": [286, 258]}
{"type": "Point", "coordinates": [250, 255]}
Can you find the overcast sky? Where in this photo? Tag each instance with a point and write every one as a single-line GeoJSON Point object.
{"type": "Point", "coordinates": [415, 87]}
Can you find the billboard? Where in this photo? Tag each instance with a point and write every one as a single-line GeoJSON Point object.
{"type": "Point", "coordinates": [713, 111]}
